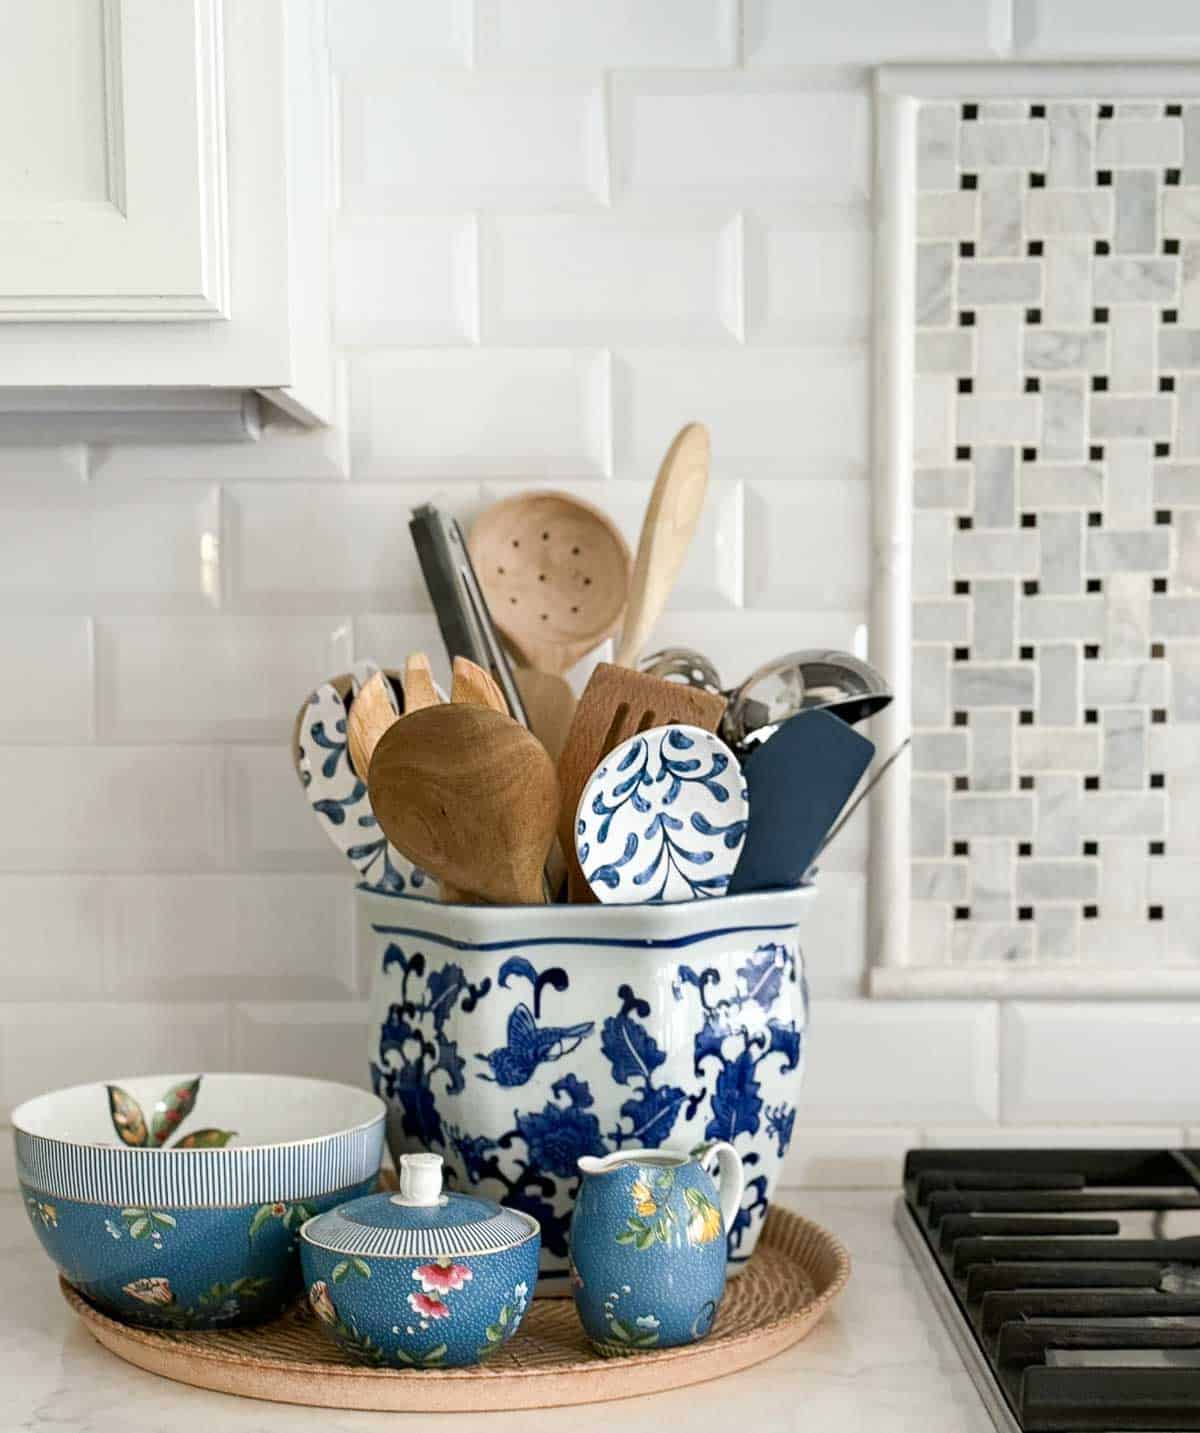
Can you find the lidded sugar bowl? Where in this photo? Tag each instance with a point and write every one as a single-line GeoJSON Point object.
{"type": "Point", "coordinates": [421, 1278]}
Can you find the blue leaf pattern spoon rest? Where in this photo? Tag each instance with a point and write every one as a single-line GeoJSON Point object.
{"type": "Point", "coordinates": [662, 818]}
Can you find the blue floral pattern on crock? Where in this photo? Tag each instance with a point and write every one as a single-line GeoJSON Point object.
{"type": "Point", "coordinates": [739, 1049]}
{"type": "Point", "coordinates": [662, 795]}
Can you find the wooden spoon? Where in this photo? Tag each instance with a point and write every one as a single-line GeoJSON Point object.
{"type": "Point", "coordinates": [471, 796]}
{"type": "Point", "coordinates": [555, 572]}
{"type": "Point", "coordinates": [472, 684]}
{"type": "Point", "coordinates": [372, 711]}
{"type": "Point", "coordinates": [549, 705]}
{"type": "Point", "coordinates": [667, 530]}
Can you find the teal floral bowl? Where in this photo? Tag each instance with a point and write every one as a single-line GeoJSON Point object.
{"type": "Point", "coordinates": [176, 1200]}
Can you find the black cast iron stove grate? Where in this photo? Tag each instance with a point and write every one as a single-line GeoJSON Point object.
{"type": "Point", "coordinates": [1070, 1280]}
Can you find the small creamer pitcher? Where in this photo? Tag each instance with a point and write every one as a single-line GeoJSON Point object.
{"type": "Point", "coordinates": [648, 1245]}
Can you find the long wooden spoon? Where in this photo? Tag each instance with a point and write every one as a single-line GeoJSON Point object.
{"type": "Point", "coordinates": [471, 796]}
{"type": "Point", "coordinates": [667, 530]}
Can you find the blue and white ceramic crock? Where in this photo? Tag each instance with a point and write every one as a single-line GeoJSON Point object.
{"type": "Point", "coordinates": [420, 1279]}
{"type": "Point", "coordinates": [515, 1039]}
{"type": "Point", "coordinates": [176, 1200]}
{"type": "Point", "coordinates": [648, 1241]}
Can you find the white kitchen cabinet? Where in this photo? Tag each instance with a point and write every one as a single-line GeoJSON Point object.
{"type": "Point", "coordinates": [164, 171]}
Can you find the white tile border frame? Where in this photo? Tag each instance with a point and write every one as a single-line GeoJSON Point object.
{"type": "Point", "coordinates": [899, 89]}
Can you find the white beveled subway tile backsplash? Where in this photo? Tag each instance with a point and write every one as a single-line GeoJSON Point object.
{"type": "Point", "coordinates": [562, 230]}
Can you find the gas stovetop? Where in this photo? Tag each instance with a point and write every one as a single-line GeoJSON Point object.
{"type": "Point", "coordinates": [1069, 1279]}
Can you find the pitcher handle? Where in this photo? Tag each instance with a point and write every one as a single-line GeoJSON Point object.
{"type": "Point", "coordinates": [731, 1178]}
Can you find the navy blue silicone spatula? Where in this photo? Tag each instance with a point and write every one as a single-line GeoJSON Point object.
{"type": "Point", "coordinates": [799, 779]}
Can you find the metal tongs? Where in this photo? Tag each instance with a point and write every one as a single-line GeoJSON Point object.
{"type": "Point", "coordinates": [458, 600]}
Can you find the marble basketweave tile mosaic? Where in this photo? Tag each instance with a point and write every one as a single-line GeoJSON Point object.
{"type": "Point", "coordinates": [1056, 542]}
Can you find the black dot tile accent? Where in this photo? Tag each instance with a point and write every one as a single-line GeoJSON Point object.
{"type": "Point", "coordinates": [1170, 315]}
{"type": "Point", "coordinates": [1100, 247]}
{"type": "Point", "coordinates": [1090, 913]}
{"type": "Point", "coordinates": [1025, 783]}
{"type": "Point", "coordinates": [1037, 111]}
{"type": "Point", "coordinates": [1100, 315]}
{"type": "Point", "coordinates": [1099, 383]}
{"type": "Point", "coordinates": [966, 385]}
{"type": "Point", "coordinates": [968, 181]}
{"type": "Point", "coordinates": [1091, 651]}
{"type": "Point", "coordinates": [962, 589]}
{"type": "Point", "coordinates": [961, 848]}
{"type": "Point", "coordinates": [1091, 716]}
{"type": "Point", "coordinates": [1027, 654]}
{"type": "Point", "coordinates": [962, 913]}
{"type": "Point", "coordinates": [1158, 649]}
{"type": "Point", "coordinates": [1091, 848]}
{"type": "Point", "coordinates": [962, 654]}
{"type": "Point", "coordinates": [1094, 584]}
{"type": "Point", "coordinates": [1160, 586]}
{"type": "Point", "coordinates": [1037, 181]}
{"type": "Point", "coordinates": [1030, 587]}
{"type": "Point", "coordinates": [1105, 111]}
{"type": "Point", "coordinates": [961, 783]}
{"type": "Point", "coordinates": [970, 111]}
{"type": "Point", "coordinates": [1170, 246]}
{"type": "Point", "coordinates": [1162, 450]}
{"type": "Point", "coordinates": [1091, 783]}
{"type": "Point", "coordinates": [1029, 455]}
{"type": "Point", "coordinates": [1094, 519]}
{"type": "Point", "coordinates": [1166, 384]}
{"type": "Point", "coordinates": [1024, 913]}
{"type": "Point", "coordinates": [966, 318]}
{"type": "Point", "coordinates": [1096, 453]}
{"type": "Point", "coordinates": [1026, 717]}
{"type": "Point", "coordinates": [1173, 111]}
{"type": "Point", "coordinates": [1171, 176]}
{"type": "Point", "coordinates": [1024, 848]}
{"type": "Point", "coordinates": [1033, 316]}
{"type": "Point", "coordinates": [1035, 248]}
{"type": "Point", "coordinates": [965, 524]}
{"type": "Point", "coordinates": [1157, 780]}
{"type": "Point", "coordinates": [1029, 519]}
{"type": "Point", "coordinates": [1158, 716]}
{"type": "Point", "coordinates": [1162, 517]}
{"type": "Point", "coordinates": [966, 249]}
{"type": "Point", "coordinates": [1033, 385]}
{"type": "Point", "coordinates": [1104, 178]}
{"type": "Point", "coordinates": [960, 719]}
{"type": "Point", "coordinates": [1158, 848]}
{"type": "Point", "coordinates": [1154, 913]}
{"type": "Point", "coordinates": [962, 454]}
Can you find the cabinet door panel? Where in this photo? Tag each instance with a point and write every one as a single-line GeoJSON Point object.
{"type": "Point", "coordinates": [112, 161]}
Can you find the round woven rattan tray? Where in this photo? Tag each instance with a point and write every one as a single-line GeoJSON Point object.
{"type": "Point", "coordinates": [796, 1272]}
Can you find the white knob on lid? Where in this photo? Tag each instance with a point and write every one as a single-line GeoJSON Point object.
{"type": "Point", "coordinates": [420, 1180]}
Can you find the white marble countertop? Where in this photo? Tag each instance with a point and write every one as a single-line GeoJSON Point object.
{"type": "Point", "coordinates": [879, 1361]}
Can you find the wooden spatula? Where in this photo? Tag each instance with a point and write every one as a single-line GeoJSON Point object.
{"type": "Point", "coordinates": [667, 529]}
{"type": "Point", "coordinates": [616, 704]}
{"type": "Point", "coordinates": [475, 793]}
{"type": "Point", "coordinates": [549, 705]}
{"type": "Point", "coordinates": [372, 711]}
{"type": "Point", "coordinates": [472, 684]}
{"type": "Point", "coordinates": [419, 690]}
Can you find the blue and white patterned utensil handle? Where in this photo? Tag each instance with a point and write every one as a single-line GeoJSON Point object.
{"type": "Point", "coordinates": [340, 800]}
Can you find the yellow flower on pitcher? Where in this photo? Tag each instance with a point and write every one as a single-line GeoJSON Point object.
{"type": "Point", "coordinates": [643, 1199]}
{"type": "Point", "coordinates": [704, 1218]}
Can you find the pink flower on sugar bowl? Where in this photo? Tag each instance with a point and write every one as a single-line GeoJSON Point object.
{"type": "Point", "coordinates": [442, 1277]}
{"type": "Point", "coordinates": [428, 1306]}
